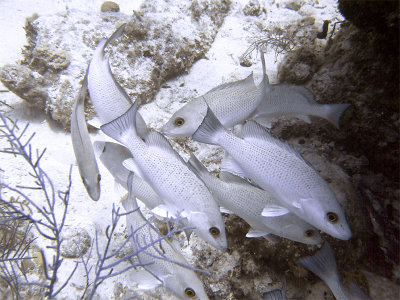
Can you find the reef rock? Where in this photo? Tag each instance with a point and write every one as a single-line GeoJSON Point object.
{"type": "Point", "coordinates": [26, 83]}
{"type": "Point", "coordinates": [161, 40]}
{"type": "Point", "coordinates": [358, 67]}
{"type": "Point", "coordinates": [109, 6]}
{"type": "Point", "coordinates": [76, 242]}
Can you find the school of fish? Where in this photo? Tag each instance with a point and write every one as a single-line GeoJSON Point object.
{"type": "Point", "coordinates": [263, 180]}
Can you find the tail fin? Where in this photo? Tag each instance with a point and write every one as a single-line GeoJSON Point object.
{"type": "Point", "coordinates": [323, 264]}
{"type": "Point", "coordinates": [117, 33]}
{"type": "Point", "coordinates": [356, 293]}
{"type": "Point", "coordinates": [118, 128]}
{"type": "Point", "coordinates": [209, 130]}
{"type": "Point", "coordinates": [277, 294]}
{"type": "Point", "coordinates": [335, 111]}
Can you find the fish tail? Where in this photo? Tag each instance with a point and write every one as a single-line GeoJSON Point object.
{"type": "Point", "coordinates": [118, 129]}
{"type": "Point", "coordinates": [209, 130]}
{"type": "Point", "coordinates": [356, 293]}
{"type": "Point", "coordinates": [117, 33]}
{"type": "Point", "coordinates": [334, 112]}
{"type": "Point", "coordinates": [323, 264]}
{"type": "Point", "coordinates": [277, 294]}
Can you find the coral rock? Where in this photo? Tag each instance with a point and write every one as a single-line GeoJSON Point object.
{"type": "Point", "coordinates": [27, 84]}
{"type": "Point", "coordinates": [109, 6]}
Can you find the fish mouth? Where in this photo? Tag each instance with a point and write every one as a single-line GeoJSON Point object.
{"type": "Point", "coordinates": [344, 234]}
{"type": "Point", "coordinates": [164, 130]}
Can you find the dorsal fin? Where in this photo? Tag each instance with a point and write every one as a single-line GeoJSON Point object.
{"type": "Point", "coordinates": [249, 80]}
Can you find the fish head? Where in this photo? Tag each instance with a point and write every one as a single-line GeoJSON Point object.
{"type": "Point", "coordinates": [210, 229]}
{"type": "Point", "coordinates": [186, 120]}
{"type": "Point", "coordinates": [92, 185]}
{"type": "Point", "coordinates": [327, 216]}
{"type": "Point", "coordinates": [185, 285]}
{"type": "Point", "coordinates": [302, 233]}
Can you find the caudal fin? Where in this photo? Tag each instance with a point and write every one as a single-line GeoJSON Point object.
{"type": "Point", "coordinates": [277, 294]}
{"type": "Point", "coordinates": [117, 33]}
{"type": "Point", "coordinates": [121, 126]}
{"type": "Point", "coordinates": [335, 111]}
{"type": "Point", "coordinates": [323, 264]}
{"type": "Point", "coordinates": [209, 130]}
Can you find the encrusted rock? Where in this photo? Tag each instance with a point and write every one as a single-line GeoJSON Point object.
{"type": "Point", "coordinates": [47, 57]}
{"type": "Point", "coordinates": [24, 82]}
{"type": "Point", "coordinates": [294, 5]}
{"type": "Point", "coordinates": [76, 242]}
{"type": "Point", "coordinates": [157, 45]}
{"type": "Point", "coordinates": [252, 8]}
{"type": "Point", "coordinates": [357, 67]}
{"type": "Point", "coordinates": [109, 6]}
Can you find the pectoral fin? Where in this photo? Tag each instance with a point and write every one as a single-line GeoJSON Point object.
{"type": "Point", "coordinates": [130, 164]}
{"type": "Point", "coordinates": [274, 211]}
{"type": "Point", "coordinates": [254, 233]}
{"type": "Point", "coordinates": [226, 211]}
{"type": "Point", "coordinates": [143, 279]}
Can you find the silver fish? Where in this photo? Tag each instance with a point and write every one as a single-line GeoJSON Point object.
{"type": "Point", "coordinates": [161, 166]}
{"type": "Point", "coordinates": [83, 147]}
{"type": "Point", "coordinates": [231, 102]}
{"type": "Point", "coordinates": [248, 202]}
{"type": "Point", "coordinates": [290, 100]}
{"type": "Point", "coordinates": [181, 281]}
{"type": "Point", "coordinates": [112, 156]}
{"type": "Point", "coordinates": [109, 99]}
{"type": "Point", "coordinates": [323, 264]}
{"type": "Point", "coordinates": [279, 169]}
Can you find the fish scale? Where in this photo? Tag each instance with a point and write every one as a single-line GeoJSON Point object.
{"type": "Point", "coordinates": [277, 168]}
{"type": "Point", "coordinates": [173, 276]}
{"type": "Point", "coordinates": [232, 103]}
{"type": "Point", "coordinates": [161, 166]}
{"type": "Point", "coordinates": [248, 202]}
{"type": "Point", "coordinates": [83, 150]}
{"type": "Point", "coordinates": [106, 95]}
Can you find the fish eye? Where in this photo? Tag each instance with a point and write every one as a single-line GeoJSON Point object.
{"type": "Point", "coordinates": [179, 121]}
{"type": "Point", "coordinates": [190, 292]}
{"type": "Point", "coordinates": [332, 217]}
{"type": "Point", "coordinates": [214, 231]}
{"type": "Point", "coordinates": [98, 178]}
{"type": "Point", "coordinates": [309, 233]}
